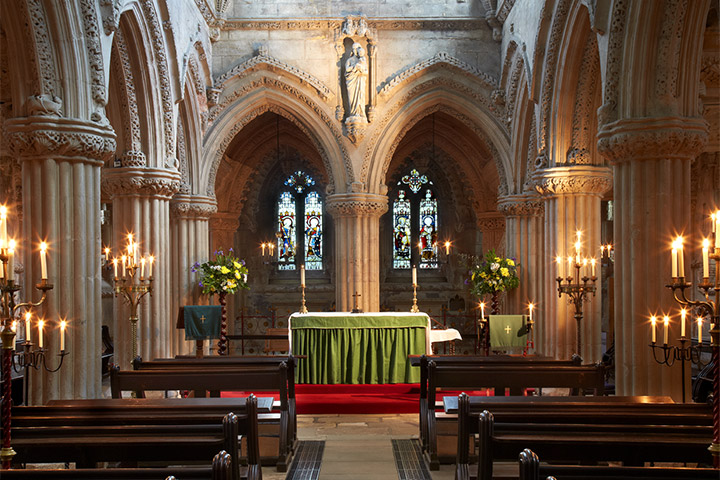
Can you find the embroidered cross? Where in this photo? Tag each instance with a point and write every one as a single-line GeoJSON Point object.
{"type": "Point", "coordinates": [202, 319]}
{"type": "Point", "coordinates": [355, 308]}
{"type": "Point", "coordinates": [508, 329]}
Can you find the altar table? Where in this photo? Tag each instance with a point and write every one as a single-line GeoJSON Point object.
{"type": "Point", "coordinates": [358, 347]}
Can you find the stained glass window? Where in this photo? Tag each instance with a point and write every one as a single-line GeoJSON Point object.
{"type": "Point", "coordinates": [415, 181]}
{"type": "Point", "coordinates": [286, 232]}
{"type": "Point", "coordinates": [427, 232]}
{"type": "Point", "coordinates": [299, 180]}
{"type": "Point", "coordinates": [402, 236]}
{"type": "Point", "coordinates": [313, 231]}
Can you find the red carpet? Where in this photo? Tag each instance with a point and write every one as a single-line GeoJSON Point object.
{"type": "Point", "coordinates": [351, 399]}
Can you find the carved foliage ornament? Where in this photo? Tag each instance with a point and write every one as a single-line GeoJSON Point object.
{"type": "Point", "coordinates": [114, 186]}
{"type": "Point", "coordinates": [95, 58]}
{"type": "Point", "coordinates": [46, 141]}
{"type": "Point", "coordinates": [356, 208]}
{"type": "Point", "coordinates": [526, 208]}
{"type": "Point", "coordinates": [581, 184]}
{"type": "Point", "coordinates": [192, 210]}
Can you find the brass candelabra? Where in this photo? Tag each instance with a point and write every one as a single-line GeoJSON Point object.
{"type": "Point", "coordinates": [303, 308]}
{"type": "Point", "coordinates": [577, 288]}
{"type": "Point", "coordinates": [415, 308]}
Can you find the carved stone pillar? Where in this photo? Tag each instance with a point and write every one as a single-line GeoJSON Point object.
{"type": "Point", "coordinates": [492, 228]}
{"type": "Point", "coordinates": [141, 205]}
{"type": "Point", "coordinates": [357, 248]}
{"type": "Point", "coordinates": [223, 226]}
{"type": "Point", "coordinates": [651, 159]}
{"type": "Point", "coordinates": [190, 240]}
{"type": "Point", "coordinates": [572, 203]}
{"type": "Point", "coordinates": [524, 242]}
{"type": "Point", "coordinates": [61, 161]}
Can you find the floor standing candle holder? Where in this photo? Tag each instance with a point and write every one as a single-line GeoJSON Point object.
{"type": "Point", "coordinates": [577, 288]}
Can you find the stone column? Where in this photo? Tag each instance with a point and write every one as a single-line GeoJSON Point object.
{"type": "Point", "coordinates": [141, 205]}
{"type": "Point", "coordinates": [651, 159]}
{"type": "Point", "coordinates": [572, 203]}
{"type": "Point", "coordinates": [357, 248]}
{"type": "Point", "coordinates": [189, 237]}
{"type": "Point", "coordinates": [524, 242]}
{"type": "Point", "coordinates": [61, 161]}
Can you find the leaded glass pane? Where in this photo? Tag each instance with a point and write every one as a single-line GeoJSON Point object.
{"type": "Point", "coordinates": [428, 231]}
{"type": "Point", "coordinates": [299, 181]}
{"type": "Point", "coordinates": [286, 232]}
{"type": "Point", "coordinates": [313, 231]}
{"type": "Point", "coordinates": [402, 241]}
{"type": "Point", "coordinates": [415, 181]}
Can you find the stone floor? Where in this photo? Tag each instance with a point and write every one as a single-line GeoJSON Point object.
{"type": "Point", "coordinates": [358, 446]}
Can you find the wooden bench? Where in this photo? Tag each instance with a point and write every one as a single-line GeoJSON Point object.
{"type": "Point", "coordinates": [127, 436]}
{"type": "Point", "coordinates": [532, 469]}
{"type": "Point", "coordinates": [421, 361]}
{"type": "Point", "coordinates": [250, 378]}
{"type": "Point", "coordinates": [220, 469]}
{"type": "Point", "coordinates": [517, 377]}
{"type": "Point", "coordinates": [580, 437]}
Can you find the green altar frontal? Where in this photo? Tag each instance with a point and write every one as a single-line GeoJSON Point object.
{"type": "Point", "coordinates": [358, 348]}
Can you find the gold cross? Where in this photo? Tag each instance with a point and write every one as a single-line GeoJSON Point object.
{"type": "Point", "coordinates": [355, 295]}
{"type": "Point", "coordinates": [508, 329]}
{"type": "Point", "coordinates": [202, 319]}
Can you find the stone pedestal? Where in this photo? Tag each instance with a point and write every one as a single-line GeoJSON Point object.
{"type": "Point", "coordinates": [572, 202]}
{"type": "Point", "coordinates": [524, 233]}
{"type": "Point", "coordinates": [357, 251]}
{"type": "Point", "coordinates": [189, 236]}
{"type": "Point", "coordinates": [61, 161]}
{"type": "Point", "coordinates": [141, 206]}
{"type": "Point", "coordinates": [651, 158]}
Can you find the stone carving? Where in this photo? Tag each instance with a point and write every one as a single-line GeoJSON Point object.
{"type": "Point", "coordinates": [132, 158]}
{"type": "Point", "coordinates": [356, 73]}
{"type": "Point", "coordinates": [355, 26]}
{"type": "Point", "coordinates": [578, 156]}
{"type": "Point", "coordinates": [250, 65]}
{"type": "Point", "coordinates": [117, 185]}
{"type": "Point", "coordinates": [44, 66]}
{"type": "Point", "coordinates": [182, 157]}
{"type": "Point", "coordinates": [504, 10]}
{"type": "Point", "coordinates": [192, 210]}
{"type": "Point", "coordinates": [667, 59]}
{"type": "Point", "coordinates": [355, 208]}
{"type": "Point", "coordinates": [213, 95]}
{"type": "Point", "coordinates": [373, 25]}
{"type": "Point", "coordinates": [521, 207]}
{"type": "Point", "coordinates": [587, 97]}
{"type": "Point", "coordinates": [564, 180]}
{"type": "Point", "coordinates": [616, 40]}
{"type": "Point", "coordinates": [45, 104]}
{"type": "Point", "coordinates": [491, 223]}
{"type": "Point", "coordinates": [128, 102]}
{"type": "Point", "coordinates": [95, 54]}
{"type": "Point", "coordinates": [439, 60]}
{"type": "Point", "coordinates": [110, 11]}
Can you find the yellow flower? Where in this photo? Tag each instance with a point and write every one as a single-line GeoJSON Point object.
{"type": "Point", "coordinates": [231, 284]}
{"type": "Point", "coordinates": [224, 270]}
{"type": "Point", "coordinates": [510, 262]}
{"type": "Point", "coordinates": [504, 272]}
{"type": "Point", "coordinates": [237, 265]}
{"type": "Point", "coordinates": [237, 275]}
{"type": "Point", "coordinates": [497, 259]}
{"type": "Point", "coordinates": [483, 275]}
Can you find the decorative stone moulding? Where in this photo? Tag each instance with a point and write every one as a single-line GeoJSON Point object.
{"type": "Point", "coordinates": [585, 180]}
{"type": "Point", "coordinates": [57, 137]}
{"type": "Point", "coordinates": [521, 206]}
{"type": "Point", "coordinates": [488, 222]}
{"type": "Point", "coordinates": [153, 182]}
{"type": "Point", "coordinates": [652, 138]}
{"type": "Point", "coordinates": [356, 204]}
{"type": "Point", "coordinates": [191, 206]}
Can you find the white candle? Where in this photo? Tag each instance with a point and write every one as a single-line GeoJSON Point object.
{"type": "Point", "coordinates": [63, 324]}
{"type": "Point", "coordinates": [592, 266]}
{"type": "Point", "coordinates": [302, 276]}
{"type": "Point", "coordinates": [602, 251]}
{"type": "Point", "coordinates": [115, 266]}
{"type": "Point", "coordinates": [666, 321]}
{"type": "Point", "coordinates": [673, 261]}
{"type": "Point", "coordinates": [152, 260]}
{"type": "Point", "coordinates": [559, 266]}
{"type": "Point", "coordinates": [706, 259]}
{"type": "Point", "coordinates": [135, 253]}
{"type": "Point", "coordinates": [653, 328]}
{"type": "Point", "coordinates": [41, 324]}
{"type": "Point", "coordinates": [530, 307]}
{"type": "Point", "coordinates": [681, 258]}
{"type": "Point", "coordinates": [699, 322]}
{"type": "Point", "coordinates": [717, 229]}
{"type": "Point", "coordinates": [28, 315]}
{"type": "Point", "coordinates": [482, 310]}
{"type": "Point", "coordinates": [107, 253]}
{"type": "Point", "coordinates": [585, 264]}
{"type": "Point", "coordinates": [447, 248]}
{"type": "Point", "coordinates": [262, 246]}
{"type": "Point", "coordinates": [11, 260]}
{"type": "Point", "coordinates": [142, 267]}
{"type": "Point", "coordinates": [43, 261]}
{"type": "Point", "coordinates": [3, 225]}
{"type": "Point", "coordinates": [414, 275]}
{"type": "Point", "coordinates": [124, 260]}
{"type": "Point", "coordinates": [570, 267]}
{"type": "Point", "coordinates": [683, 314]}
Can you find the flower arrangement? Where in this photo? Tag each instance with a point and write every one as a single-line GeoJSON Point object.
{"type": "Point", "coordinates": [224, 274]}
{"type": "Point", "coordinates": [493, 274]}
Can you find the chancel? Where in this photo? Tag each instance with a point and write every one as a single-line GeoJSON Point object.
{"type": "Point", "coordinates": [360, 208]}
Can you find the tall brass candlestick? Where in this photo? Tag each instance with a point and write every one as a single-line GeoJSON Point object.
{"type": "Point", "coordinates": [578, 293]}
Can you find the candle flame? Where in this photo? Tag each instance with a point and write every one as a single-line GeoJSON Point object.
{"type": "Point", "coordinates": [678, 243]}
{"type": "Point", "coordinates": [63, 324]}
{"type": "Point", "coordinates": [152, 259]}
{"type": "Point", "coordinates": [11, 245]}
{"type": "Point", "coordinates": [14, 326]}
{"type": "Point", "coordinates": [592, 262]}
{"type": "Point", "coordinates": [706, 243]}
{"type": "Point", "coordinates": [653, 320]}
{"type": "Point", "coordinates": [3, 212]}
{"type": "Point", "coordinates": [666, 320]}
{"type": "Point", "coordinates": [43, 247]}
{"type": "Point", "coordinates": [28, 315]}
{"type": "Point", "coordinates": [41, 324]}
{"type": "Point", "coordinates": [531, 306]}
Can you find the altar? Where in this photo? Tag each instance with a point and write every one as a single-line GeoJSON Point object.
{"type": "Point", "coordinates": [346, 347]}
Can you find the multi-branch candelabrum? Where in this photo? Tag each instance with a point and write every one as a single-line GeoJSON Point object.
{"type": "Point", "coordinates": [706, 308]}
{"type": "Point", "coordinates": [30, 357]}
{"type": "Point", "coordinates": [577, 287]}
{"type": "Point", "coordinates": [130, 285]}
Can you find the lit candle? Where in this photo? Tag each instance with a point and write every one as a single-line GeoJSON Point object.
{"type": "Point", "coordinates": [115, 266]}
{"type": "Point", "coordinates": [28, 315]}
{"type": "Point", "coordinates": [302, 275]}
{"type": "Point", "coordinates": [706, 259]}
{"type": "Point", "coordinates": [653, 328]}
{"type": "Point", "coordinates": [530, 308]}
{"type": "Point", "coordinates": [666, 321]}
{"type": "Point", "coordinates": [482, 310]}
{"type": "Point", "coordinates": [683, 314]}
{"type": "Point", "coordinates": [124, 261]}
{"type": "Point", "coordinates": [570, 267]}
{"type": "Point", "coordinates": [681, 258]}
{"type": "Point", "coordinates": [585, 264]}
{"type": "Point", "coordinates": [262, 246]}
{"type": "Point", "coordinates": [717, 229]}
{"type": "Point", "coordinates": [602, 251]}
{"type": "Point", "coordinates": [43, 261]}
{"type": "Point", "coordinates": [414, 275]}
{"type": "Point", "coordinates": [107, 253]}
{"type": "Point", "coordinates": [699, 322]}
{"type": "Point", "coordinates": [152, 260]}
{"type": "Point", "coordinates": [447, 248]}
{"type": "Point", "coordinates": [11, 260]}
{"type": "Point", "coordinates": [41, 324]}
{"type": "Point", "coordinates": [592, 266]}
{"type": "Point", "coordinates": [142, 267]}
{"type": "Point", "coordinates": [14, 329]}
{"type": "Point", "coordinates": [135, 253]}
{"type": "Point", "coordinates": [673, 260]}
{"type": "Point", "coordinates": [3, 225]}
{"type": "Point", "coordinates": [559, 266]}
{"type": "Point", "coordinates": [420, 247]}
{"type": "Point", "coordinates": [63, 325]}
{"type": "Point", "coordinates": [272, 248]}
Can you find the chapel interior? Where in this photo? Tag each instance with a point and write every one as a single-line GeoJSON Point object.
{"type": "Point", "coordinates": [295, 135]}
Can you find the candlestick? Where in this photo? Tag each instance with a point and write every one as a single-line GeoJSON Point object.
{"type": "Point", "coordinates": [666, 321]}
{"type": "Point", "coordinates": [683, 314]}
{"type": "Point", "coordinates": [705, 257]}
{"type": "Point", "coordinates": [41, 324]}
{"type": "Point", "coordinates": [43, 261]}
{"type": "Point", "coordinates": [414, 275]}
{"type": "Point", "coordinates": [653, 327]}
{"type": "Point", "coordinates": [302, 275]}
{"type": "Point", "coordinates": [63, 324]}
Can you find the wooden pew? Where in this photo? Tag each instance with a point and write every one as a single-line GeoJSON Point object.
{"type": "Point", "coordinates": [252, 378]}
{"type": "Point", "coordinates": [127, 436]}
{"type": "Point", "coordinates": [516, 377]}
{"type": "Point", "coordinates": [532, 469]}
{"type": "Point", "coordinates": [221, 469]}
{"type": "Point", "coordinates": [581, 437]}
{"type": "Point", "coordinates": [422, 361]}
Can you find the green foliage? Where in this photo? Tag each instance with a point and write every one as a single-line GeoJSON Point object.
{"type": "Point", "coordinates": [224, 274]}
{"type": "Point", "coordinates": [493, 274]}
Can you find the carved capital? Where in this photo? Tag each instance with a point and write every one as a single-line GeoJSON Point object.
{"type": "Point", "coordinates": [151, 182]}
{"type": "Point", "coordinates": [521, 206]}
{"type": "Point", "coordinates": [192, 207]}
{"type": "Point", "coordinates": [224, 222]}
{"type": "Point", "coordinates": [582, 180]}
{"type": "Point", "coordinates": [41, 137]}
{"type": "Point", "coordinates": [652, 139]}
{"type": "Point", "coordinates": [356, 205]}
{"type": "Point", "coordinates": [491, 223]}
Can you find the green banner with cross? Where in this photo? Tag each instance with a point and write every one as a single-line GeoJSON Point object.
{"type": "Point", "coordinates": [202, 322]}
